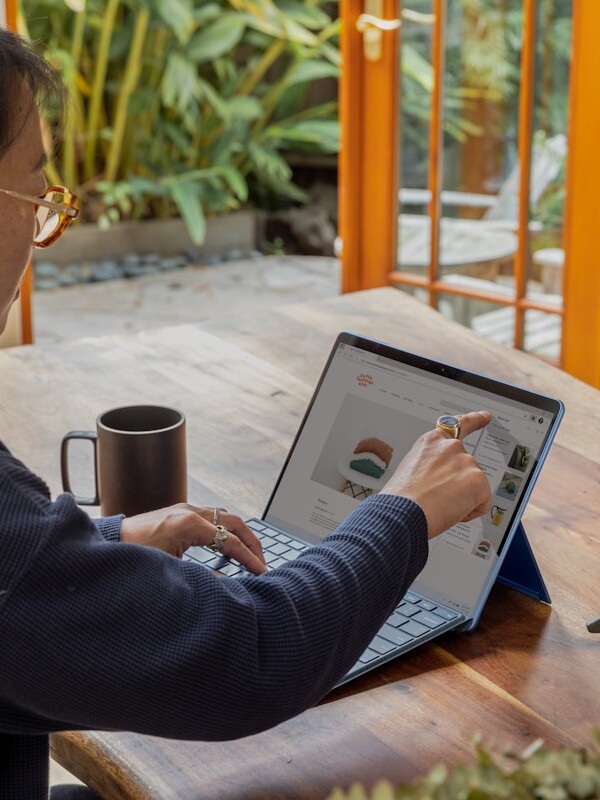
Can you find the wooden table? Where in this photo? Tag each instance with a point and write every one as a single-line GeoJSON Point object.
{"type": "Point", "coordinates": [462, 242]}
{"type": "Point", "coordinates": [527, 671]}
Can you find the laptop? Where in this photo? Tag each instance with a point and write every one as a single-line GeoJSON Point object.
{"type": "Point", "coordinates": [370, 405]}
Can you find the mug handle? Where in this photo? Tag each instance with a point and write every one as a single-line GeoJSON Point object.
{"type": "Point", "coordinates": [64, 466]}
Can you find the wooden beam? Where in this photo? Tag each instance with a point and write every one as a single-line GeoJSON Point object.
{"type": "Point", "coordinates": [368, 187]}
{"type": "Point", "coordinates": [581, 328]}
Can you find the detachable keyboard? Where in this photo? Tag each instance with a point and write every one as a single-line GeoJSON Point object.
{"type": "Point", "coordinates": [415, 619]}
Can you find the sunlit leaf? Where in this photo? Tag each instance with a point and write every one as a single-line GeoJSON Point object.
{"type": "Point", "coordinates": [311, 70]}
{"type": "Point", "coordinates": [248, 108]}
{"type": "Point", "coordinates": [216, 39]}
{"type": "Point", "coordinates": [324, 135]}
{"type": "Point", "coordinates": [416, 67]}
{"type": "Point", "coordinates": [185, 197]}
{"type": "Point", "coordinates": [76, 5]}
{"type": "Point", "coordinates": [297, 34]}
{"type": "Point", "coordinates": [236, 182]}
{"type": "Point", "coordinates": [179, 16]}
{"type": "Point", "coordinates": [179, 84]}
{"type": "Point", "coordinates": [308, 16]}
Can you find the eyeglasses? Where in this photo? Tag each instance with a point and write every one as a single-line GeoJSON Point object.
{"type": "Point", "coordinates": [55, 210]}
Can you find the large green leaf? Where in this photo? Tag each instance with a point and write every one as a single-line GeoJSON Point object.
{"type": "Point", "coordinates": [207, 12]}
{"type": "Point", "coordinates": [247, 108]}
{"type": "Point", "coordinates": [180, 82]}
{"type": "Point", "coordinates": [416, 67]}
{"type": "Point", "coordinates": [179, 16]}
{"type": "Point", "coordinates": [311, 70]}
{"type": "Point", "coordinates": [269, 162]}
{"type": "Point", "coordinates": [304, 14]}
{"type": "Point", "coordinates": [185, 197]}
{"type": "Point", "coordinates": [297, 34]}
{"type": "Point", "coordinates": [212, 97]}
{"type": "Point", "coordinates": [216, 39]}
{"type": "Point", "coordinates": [236, 183]}
{"type": "Point", "coordinates": [323, 135]}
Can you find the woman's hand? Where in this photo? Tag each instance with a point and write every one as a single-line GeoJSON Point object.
{"type": "Point", "coordinates": [178, 527]}
{"type": "Point", "coordinates": [442, 478]}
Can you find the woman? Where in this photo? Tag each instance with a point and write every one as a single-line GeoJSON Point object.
{"type": "Point", "coordinates": [102, 627]}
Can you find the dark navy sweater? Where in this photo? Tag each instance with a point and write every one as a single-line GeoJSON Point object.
{"type": "Point", "coordinates": [99, 634]}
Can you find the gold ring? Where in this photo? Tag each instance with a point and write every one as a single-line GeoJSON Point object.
{"type": "Point", "coordinates": [216, 516]}
{"type": "Point", "coordinates": [220, 539]}
{"type": "Point", "coordinates": [449, 424]}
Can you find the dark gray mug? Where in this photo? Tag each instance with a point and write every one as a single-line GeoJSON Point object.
{"type": "Point", "coordinates": [140, 461]}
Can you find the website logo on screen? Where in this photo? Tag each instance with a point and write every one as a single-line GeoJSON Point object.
{"type": "Point", "coordinates": [364, 380]}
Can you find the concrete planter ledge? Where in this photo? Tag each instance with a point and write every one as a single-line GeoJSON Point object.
{"type": "Point", "coordinates": [226, 234]}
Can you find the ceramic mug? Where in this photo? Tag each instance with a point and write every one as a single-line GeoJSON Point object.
{"type": "Point", "coordinates": [140, 461]}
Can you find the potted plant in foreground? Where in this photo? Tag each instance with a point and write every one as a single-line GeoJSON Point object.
{"type": "Point", "coordinates": [539, 773]}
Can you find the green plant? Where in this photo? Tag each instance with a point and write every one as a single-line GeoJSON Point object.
{"type": "Point", "coordinates": [537, 774]}
{"type": "Point", "coordinates": [182, 104]}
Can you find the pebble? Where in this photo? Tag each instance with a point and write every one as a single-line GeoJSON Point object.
{"type": "Point", "coordinates": [106, 270]}
{"type": "Point", "coordinates": [49, 275]}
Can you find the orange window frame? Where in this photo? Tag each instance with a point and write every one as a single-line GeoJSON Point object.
{"type": "Point", "coordinates": [369, 97]}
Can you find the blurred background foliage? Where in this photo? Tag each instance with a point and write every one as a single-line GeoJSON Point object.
{"type": "Point", "coordinates": [195, 106]}
{"type": "Point", "coordinates": [186, 105]}
{"type": "Point", "coordinates": [481, 86]}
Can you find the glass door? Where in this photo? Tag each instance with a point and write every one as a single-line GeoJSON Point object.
{"type": "Point", "coordinates": [483, 124]}
{"type": "Point", "coordinates": [475, 140]}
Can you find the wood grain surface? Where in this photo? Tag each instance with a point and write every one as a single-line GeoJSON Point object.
{"type": "Point", "coordinates": [527, 671]}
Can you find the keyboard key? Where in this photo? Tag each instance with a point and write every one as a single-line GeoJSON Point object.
{"type": "Point", "coordinates": [446, 613]}
{"type": "Point", "coordinates": [368, 655]}
{"type": "Point", "coordinates": [426, 605]}
{"type": "Point", "coordinates": [272, 532]}
{"type": "Point", "coordinates": [407, 609]}
{"type": "Point", "coordinates": [297, 545]}
{"type": "Point", "coordinates": [231, 570]}
{"type": "Point", "coordinates": [200, 554]}
{"type": "Point", "coordinates": [265, 541]}
{"type": "Point", "coordinates": [381, 645]}
{"type": "Point", "coordinates": [277, 562]}
{"type": "Point", "coordinates": [290, 555]}
{"type": "Point", "coordinates": [278, 548]}
{"type": "Point", "coordinates": [414, 629]}
{"type": "Point", "coordinates": [429, 619]}
{"type": "Point", "coordinates": [256, 525]}
{"type": "Point", "coordinates": [395, 635]}
{"type": "Point", "coordinates": [396, 620]}
{"type": "Point", "coordinates": [411, 597]}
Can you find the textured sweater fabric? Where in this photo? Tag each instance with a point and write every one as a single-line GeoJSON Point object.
{"type": "Point", "coordinates": [98, 634]}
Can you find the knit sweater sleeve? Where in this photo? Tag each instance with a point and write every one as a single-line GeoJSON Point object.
{"type": "Point", "coordinates": [103, 635]}
{"type": "Point", "coordinates": [109, 527]}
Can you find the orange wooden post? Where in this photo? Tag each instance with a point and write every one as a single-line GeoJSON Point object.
{"type": "Point", "coordinates": [436, 138]}
{"type": "Point", "coordinates": [581, 327]}
{"type": "Point", "coordinates": [526, 102]}
{"type": "Point", "coordinates": [368, 184]}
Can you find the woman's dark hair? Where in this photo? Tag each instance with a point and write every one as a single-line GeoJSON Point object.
{"type": "Point", "coordinates": [19, 59]}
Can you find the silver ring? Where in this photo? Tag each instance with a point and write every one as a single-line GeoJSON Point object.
{"type": "Point", "coordinates": [221, 535]}
{"type": "Point", "coordinates": [449, 424]}
{"type": "Point", "coordinates": [216, 512]}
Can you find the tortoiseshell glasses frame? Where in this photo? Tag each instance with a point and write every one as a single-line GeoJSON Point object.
{"type": "Point", "coordinates": [55, 210]}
